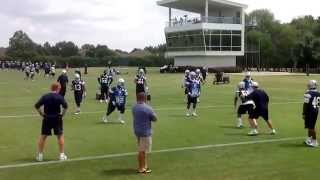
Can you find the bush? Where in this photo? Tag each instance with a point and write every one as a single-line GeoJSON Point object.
{"type": "Point", "coordinates": [79, 61]}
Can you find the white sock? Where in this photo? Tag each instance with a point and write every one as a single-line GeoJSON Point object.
{"type": "Point", "coordinates": [240, 120]}
{"type": "Point", "coordinates": [119, 116]}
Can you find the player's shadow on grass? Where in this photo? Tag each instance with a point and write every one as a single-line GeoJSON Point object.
{"type": "Point", "coordinates": [119, 172]}
{"type": "Point", "coordinates": [229, 127]}
{"type": "Point", "coordinates": [293, 145]}
{"type": "Point", "coordinates": [110, 123]}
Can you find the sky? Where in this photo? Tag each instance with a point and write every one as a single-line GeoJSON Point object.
{"type": "Point", "coordinates": [119, 24]}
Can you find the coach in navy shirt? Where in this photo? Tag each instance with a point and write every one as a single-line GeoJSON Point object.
{"type": "Point", "coordinates": [63, 80]}
{"type": "Point", "coordinates": [52, 119]}
{"type": "Point", "coordinates": [261, 101]}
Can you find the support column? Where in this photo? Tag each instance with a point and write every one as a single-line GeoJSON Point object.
{"type": "Point", "coordinates": [170, 18]}
{"type": "Point", "coordinates": [206, 11]}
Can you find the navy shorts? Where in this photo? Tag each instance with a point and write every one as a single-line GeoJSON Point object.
{"type": "Point", "coordinates": [193, 100]}
{"type": "Point", "coordinates": [78, 98]}
{"type": "Point", "coordinates": [104, 91]}
{"type": "Point", "coordinates": [140, 90]}
{"type": "Point", "coordinates": [310, 121]}
{"type": "Point", "coordinates": [245, 108]}
{"type": "Point", "coordinates": [256, 113]}
{"type": "Point", "coordinates": [53, 123]}
{"type": "Point", "coordinates": [63, 91]}
{"type": "Point", "coordinates": [111, 108]}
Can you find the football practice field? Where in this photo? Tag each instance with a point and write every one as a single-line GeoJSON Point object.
{"type": "Point", "coordinates": [204, 147]}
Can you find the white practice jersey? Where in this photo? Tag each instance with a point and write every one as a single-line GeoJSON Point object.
{"type": "Point", "coordinates": [241, 95]}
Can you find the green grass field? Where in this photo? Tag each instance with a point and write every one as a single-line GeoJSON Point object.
{"type": "Point", "coordinates": [86, 136]}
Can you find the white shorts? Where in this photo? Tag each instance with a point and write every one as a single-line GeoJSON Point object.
{"type": "Point", "coordinates": [144, 144]}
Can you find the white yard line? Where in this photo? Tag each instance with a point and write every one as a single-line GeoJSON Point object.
{"type": "Point", "coordinates": [108, 156]}
{"type": "Point", "coordinates": [156, 109]}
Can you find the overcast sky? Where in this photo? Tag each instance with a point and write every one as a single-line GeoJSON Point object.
{"type": "Point", "coordinates": [120, 24]}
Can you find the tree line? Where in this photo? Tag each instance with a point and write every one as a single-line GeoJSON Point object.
{"type": "Point", "coordinates": [282, 45]}
{"type": "Point", "coordinates": [23, 48]}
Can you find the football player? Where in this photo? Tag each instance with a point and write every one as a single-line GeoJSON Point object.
{"type": "Point", "coordinates": [46, 70]}
{"type": "Point", "coordinates": [248, 82]}
{"type": "Point", "coordinates": [118, 96]}
{"type": "Point", "coordinates": [185, 82]}
{"type": "Point", "coordinates": [53, 71]}
{"type": "Point", "coordinates": [78, 86]}
{"type": "Point", "coordinates": [199, 78]}
{"type": "Point", "coordinates": [242, 105]}
{"type": "Point", "coordinates": [141, 82]}
{"type": "Point", "coordinates": [310, 112]}
{"type": "Point", "coordinates": [261, 101]}
{"type": "Point", "coordinates": [27, 71]}
{"type": "Point", "coordinates": [32, 72]}
{"type": "Point", "coordinates": [105, 81]}
{"type": "Point", "coordinates": [63, 80]}
{"type": "Point", "coordinates": [193, 94]}
{"type": "Point", "coordinates": [37, 66]}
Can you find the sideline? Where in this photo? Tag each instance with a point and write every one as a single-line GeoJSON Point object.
{"type": "Point", "coordinates": [108, 156]}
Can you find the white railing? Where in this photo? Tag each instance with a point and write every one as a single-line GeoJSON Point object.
{"type": "Point", "coordinates": [211, 19]}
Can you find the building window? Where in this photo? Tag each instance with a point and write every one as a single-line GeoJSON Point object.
{"type": "Point", "coordinates": [210, 40]}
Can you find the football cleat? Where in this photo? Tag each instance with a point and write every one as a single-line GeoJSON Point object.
{"type": "Point", "coordinates": [315, 143]}
{"type": "Point", "coordinates": [312, 143]}
{"type": "Point", "coordinates": [63, 157]}
{"type": "Point", "coordinates": [104, 119]}
{"type": "Point", "coordinates": [253, 132]}
{"type": "Point", "coordinates": [273, 132]}
{"type": "Point", "coordinates": [194, 114]}
{"type": "Point", "coordinates": [188, 114]}
{"type": "Point", "coordinates": [239, 125]}
{"type": "Point", "coordinates": [39, 157]}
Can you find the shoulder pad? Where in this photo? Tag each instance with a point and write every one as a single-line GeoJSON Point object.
{"type": "Point", "coordinates": [307, 97]}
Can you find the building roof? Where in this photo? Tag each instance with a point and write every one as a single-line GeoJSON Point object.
{"type": "Point", "coordinates": [198, 6]}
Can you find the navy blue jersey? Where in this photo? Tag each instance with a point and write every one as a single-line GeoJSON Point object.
{"type": "Point", "coordinates": [187, 80]}
{"type": "Point", "coordinates": [78, 86]}
{"type": "Point", "coordinates": [140, 83]}
{"type": "Point", "coordinates": [260, 98]}
{"type": "Point", "coordinates": [118, 95]}
{"type": "Point", "coordinates": [194, 88]}
{"type": "Point", "coordinates": [248, 85]}
{"type": "Point", "coordinates": [106, 80]}
{"type": "Point", "coordinates": [52, 103]}
{"type": "Point", "coordinates": [63, 80]}
{"type": "Point", "coordinates": [311, 103]}
{"type": "Point", "coordinates": [241, 95]}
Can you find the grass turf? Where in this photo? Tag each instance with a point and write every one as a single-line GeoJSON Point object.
{"type": "Point", "coordinates": [87, 136]}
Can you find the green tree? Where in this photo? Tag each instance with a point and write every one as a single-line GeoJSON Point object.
{"type": "Point", "coordinates": [88, 50]}
{"type": "Point", "coordinates": [103, 51]}
{"type": "Point", "coordinates": [21, 46]}
{"type": "Point", "coordinates": [65, 49]}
